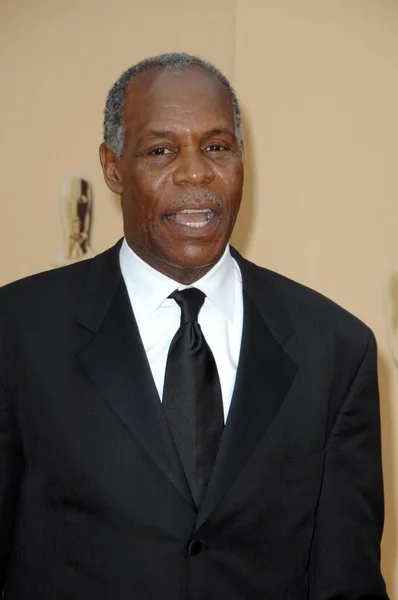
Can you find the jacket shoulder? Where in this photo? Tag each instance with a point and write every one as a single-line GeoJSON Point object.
{"type": "Point", "coordinates": [59, 286]}
{"type": "Point", "coordinates": [39, 285]}
{"type": "Point", "coordinates": [306, 307]}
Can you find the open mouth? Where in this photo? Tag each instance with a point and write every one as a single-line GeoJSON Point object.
{"type": "Point", "coordinates": [193, 217]}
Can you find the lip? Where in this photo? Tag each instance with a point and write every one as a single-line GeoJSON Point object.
{"type": "Point", "coordinates": [190, 231]}
{"type": "Point", "coordinates": [212, 206]}
{"type": "Point", "coordinates": [194, 231]}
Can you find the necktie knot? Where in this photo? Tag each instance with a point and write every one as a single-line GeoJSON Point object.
{"type": "Point", "coordinates": [190, 301]}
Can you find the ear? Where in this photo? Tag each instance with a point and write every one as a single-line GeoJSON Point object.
{"type": "Point", "coordinates": [110, 168]}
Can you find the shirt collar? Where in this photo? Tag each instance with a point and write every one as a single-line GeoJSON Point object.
{"type": "Point", "coordinates": [148, 288]}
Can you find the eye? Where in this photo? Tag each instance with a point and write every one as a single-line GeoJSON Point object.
{"type": "Point", "coordinates": [159, 151]}
{"type": "Point", "coordinates": [215, 148]}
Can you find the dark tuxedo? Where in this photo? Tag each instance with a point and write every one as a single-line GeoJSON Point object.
{"type": "Point", "coordinates": [94, 504]}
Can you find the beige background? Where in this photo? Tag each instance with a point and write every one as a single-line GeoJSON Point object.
{"type": "Point", "coordinates": [318, 83]}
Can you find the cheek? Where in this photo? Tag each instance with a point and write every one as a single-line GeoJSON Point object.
{"type": "Point", "coordinates": [231, 183]}
{"type": "Point", "coordinates": [149, 181]}
{"type": "Point", "coordinates": [232, 193]}
{"type": "Point", "coordinates": [146, 194]}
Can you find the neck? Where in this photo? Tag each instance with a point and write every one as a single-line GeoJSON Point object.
{"type": "Point", "coordinates": [180, 274]}
{"type": "Point", "coordinates": [187, 276]}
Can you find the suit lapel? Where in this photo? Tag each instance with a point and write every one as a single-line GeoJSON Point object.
{"type": "Point", "coordinates": [264, 376]}
{"type": "Point", "coordinates": [116, 362]}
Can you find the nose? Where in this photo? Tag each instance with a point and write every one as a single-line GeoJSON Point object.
{"type": "Point", "coordinates": [193, 168]}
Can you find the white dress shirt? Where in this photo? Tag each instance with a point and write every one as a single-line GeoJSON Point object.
{"type": "Point", "coordinates": [158, 317]}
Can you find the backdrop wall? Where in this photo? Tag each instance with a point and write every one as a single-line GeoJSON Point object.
{"type": "Point", "coordinates": [319, 92]}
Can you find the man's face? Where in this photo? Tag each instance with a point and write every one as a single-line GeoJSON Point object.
{"type": "Point", "coordinates": [181, 174]}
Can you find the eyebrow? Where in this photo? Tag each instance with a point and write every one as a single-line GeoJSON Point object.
{"type": "Point", "coordinates": [159, 132]}
{"type": "Point", "coordinates": [166, 132]}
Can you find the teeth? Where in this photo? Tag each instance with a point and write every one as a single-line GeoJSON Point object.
{"type": "Point", "coordinates": [201, 224]}
{"type": "Point", "coordinates": [195, 210]}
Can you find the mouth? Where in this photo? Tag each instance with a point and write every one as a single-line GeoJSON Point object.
{"type": "Point", "coordinates": [195, 218]}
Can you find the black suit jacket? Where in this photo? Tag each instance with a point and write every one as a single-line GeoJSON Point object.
{"type": "Point", "coordinates": [93, 500]}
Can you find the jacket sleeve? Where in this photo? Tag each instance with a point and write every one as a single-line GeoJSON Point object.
{"type": "Point", "coordinates": [345, 557]}
{"type": "Point", "coordinates": [11, 470]}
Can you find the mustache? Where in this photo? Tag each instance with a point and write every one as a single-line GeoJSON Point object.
{"type": "Point", "coordinates": [197, 196]}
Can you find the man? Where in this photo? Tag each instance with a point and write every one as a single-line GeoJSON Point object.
{"type": "Point", "coordinates": [177, 422]}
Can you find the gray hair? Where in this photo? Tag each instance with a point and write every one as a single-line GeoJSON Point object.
{"type": "Point", "coordinates": [114, 127]}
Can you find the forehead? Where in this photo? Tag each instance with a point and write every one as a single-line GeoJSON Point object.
{"type": "Point", "coordinates": [165, 97]}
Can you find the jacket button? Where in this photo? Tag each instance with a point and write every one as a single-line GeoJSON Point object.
{"type": "Point", "coordinates": [194, 547]}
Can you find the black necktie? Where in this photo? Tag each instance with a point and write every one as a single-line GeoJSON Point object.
{"type": "Point", "coordinates": [192, 395]}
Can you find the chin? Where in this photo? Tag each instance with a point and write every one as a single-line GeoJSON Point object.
{"type": "Point", "coordinates": [194, 259]}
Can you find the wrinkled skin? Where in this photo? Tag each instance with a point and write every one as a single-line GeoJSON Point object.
{"type": "Point", "coordinates": [181, 153]}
